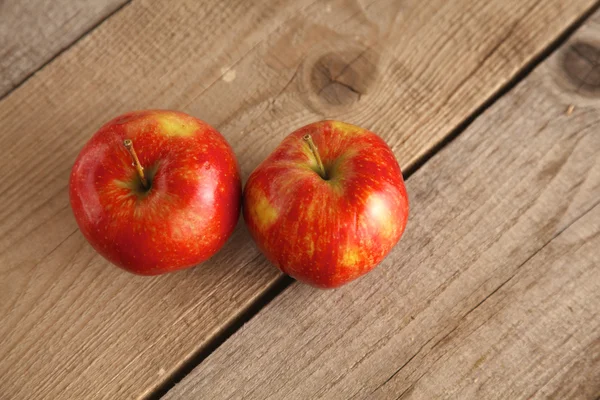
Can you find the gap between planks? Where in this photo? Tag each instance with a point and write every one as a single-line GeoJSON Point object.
{"type": "Point", "coordinates": [283, 282]}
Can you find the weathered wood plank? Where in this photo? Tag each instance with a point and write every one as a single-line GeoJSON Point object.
{"type": "Point", "coordinates": [536, 336]}
{"type": "Point", "coordinates": [34, 31]}
{"type": "Point", "coordinates": [71, 325]}
{"type": "Point", "coordinates": [494, 292]}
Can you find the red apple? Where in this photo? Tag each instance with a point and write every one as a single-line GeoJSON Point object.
{"type": "Point", "coordinates": [173, 209]}
{"type": "Point", "coordinates": [328, 204]}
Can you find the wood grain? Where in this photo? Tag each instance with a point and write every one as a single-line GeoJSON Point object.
{"type": "Point", "coordinates": [72, 325]}
{"type": "Point", "coordinates": [34, 31]}
{"type": "Point", "coordinates": [494, 291]}
{"type": "Point", "coordinates": [536, 336]}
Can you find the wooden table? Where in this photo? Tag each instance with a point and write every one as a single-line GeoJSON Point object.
{"type": "Point", "coordinates": [492, 108]}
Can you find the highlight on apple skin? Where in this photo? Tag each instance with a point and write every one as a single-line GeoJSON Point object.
{"type": "Point", "coordinates": [328, 204]}
{"type": "Point", "coordinates": [156, 191]}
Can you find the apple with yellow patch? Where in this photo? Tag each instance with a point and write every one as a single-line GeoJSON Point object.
{"type": "Point", "coordinates": [156, 191]}
{"type": "Point", "coordinates": [328, 204]}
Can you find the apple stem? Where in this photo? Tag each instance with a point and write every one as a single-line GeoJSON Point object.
{"type": "Point", "coordinates": [315, 151]}
{"type": "Point", "coordinates": [136, 162]}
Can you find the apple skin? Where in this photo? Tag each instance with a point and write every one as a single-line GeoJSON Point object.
{"type": "Point", "coordinates": [327, 232]}
{"type": "Point", "coordinates": [188, 213]}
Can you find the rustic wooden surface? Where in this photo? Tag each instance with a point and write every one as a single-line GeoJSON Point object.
{"type": "Point", "coordinates": [494, 292]}
{"type": "Point", "coordinates": [71, 325]}
{"type": "Point", "coordinates": [33, 31]}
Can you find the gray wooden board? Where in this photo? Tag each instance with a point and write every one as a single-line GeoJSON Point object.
{"type": "Point", "coordinates": [34, 31]}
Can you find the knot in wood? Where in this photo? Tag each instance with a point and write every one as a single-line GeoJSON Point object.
{"type": "Point", "coordinates": [581, 64]}
{"type": "Point", "coordinates": [341, 79]}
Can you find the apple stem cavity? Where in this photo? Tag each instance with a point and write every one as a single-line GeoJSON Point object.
{"type": "Point", "coordinates": [313, 147]}
{"type": "Point", "coordinates": [128, 143]}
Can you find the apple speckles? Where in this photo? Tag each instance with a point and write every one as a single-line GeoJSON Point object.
{"type": "Point", "coordinates": [175, 125]}
{"type": "Point", "coordinates": [350, 257]}
{"type": "Point", "coordinates": [122, 184]}
{"type": "Point", "coordinates": [345, 129]}
{"type": "Point", "coordinates": [137, 214]}
{"type": "Point", "coordinates": [310, 246]}
{"type": "Point", "coordinates": [177, 233]}
{"type": "Point", "coordinates": [264, 213]}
